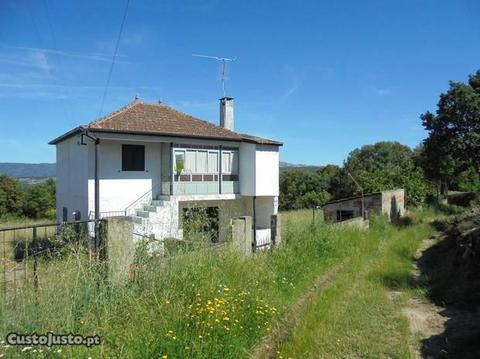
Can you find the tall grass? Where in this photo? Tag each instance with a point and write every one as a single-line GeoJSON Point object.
{"type": "Point", "coordinates": [359, 314]}
{"type": "Point", "coordinates": [211, 303]}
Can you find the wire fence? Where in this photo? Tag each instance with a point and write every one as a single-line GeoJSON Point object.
{"type": "Point", "coordinates": [37, 260]}
{"type": "Point", "coordinates": [25, 250]}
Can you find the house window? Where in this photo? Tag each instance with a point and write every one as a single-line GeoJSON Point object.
{"type": "Point", "coordinates": [133, 158]}
{"type": "Point", "coordinates": [212, 162]}
{"type": "Point", "coordinates": [179, 160]}
{"type": "Point", "coordinates": [230, 162]}
{"type": "Point", "coordinates": [190, 163]}
{"type": "Point", "coordinates": [203, 164]}
{"type": "Point", "coordinates": [64, 214]}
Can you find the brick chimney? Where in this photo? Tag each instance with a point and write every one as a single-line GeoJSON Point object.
{"type": "Point", "coordinates": [226, 113]}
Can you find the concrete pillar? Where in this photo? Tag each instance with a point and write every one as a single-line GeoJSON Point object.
{"type": "Point", "coordinates": [119, 248]}
{"type": "Point", "coordinates": [242, 234]}
{"type": "Point", "coordinates": [276, 229]}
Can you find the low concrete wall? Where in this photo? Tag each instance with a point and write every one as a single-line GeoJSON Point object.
{"type": "Point", "coordinates": [119, 248]}
{"type": "Point", "coordinates": [242, 234]}
{"type": "Point", "coordinates": [357, 222]}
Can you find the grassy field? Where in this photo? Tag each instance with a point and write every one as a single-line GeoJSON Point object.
{"type": "Point", "coordinates": [359, 313]}
{"type": "Point", "coordinates": [218, 304]}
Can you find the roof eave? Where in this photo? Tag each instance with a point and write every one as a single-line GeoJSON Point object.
{"type": "Point", "coordinates": [66, 135]}
{"type": "Point", "coordinates": [103, 130]}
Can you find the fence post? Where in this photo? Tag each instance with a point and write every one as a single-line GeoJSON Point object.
{"type": "Point", "coordinates": [119, 248]}
{"type": "Point", "coordinates": [34, 252]}
{"type": "Point", "coordinates": [242, 234]}
{"type": "Point", "coordinates": [275, 223]}
{"type": "Point", "coordinates": [4, 266]}
{"type": "Point", "coordinates": [273, 229]}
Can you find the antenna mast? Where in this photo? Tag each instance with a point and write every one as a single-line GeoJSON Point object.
{"type": "Point", "coordinates": [223, 68]}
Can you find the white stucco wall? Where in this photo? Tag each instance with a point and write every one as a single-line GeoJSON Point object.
{"type": "Point", "coordinates": [259, 170]}
{"type": "Point", "coordinates": [266, 170]}
{"type": "Point", "coordinates": [247, 169]}
{"type": "Point", "coordinates": [258, 167]}
{"type": "Point", "coordinates": [118, 189]}
{"type": "Point", "coordinates": [72, 175]}
{"type": "Point", "coordinates": [266, 206]}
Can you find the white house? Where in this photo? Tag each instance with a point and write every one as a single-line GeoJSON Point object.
{"type": "Point", "coordinates": [152, 162]}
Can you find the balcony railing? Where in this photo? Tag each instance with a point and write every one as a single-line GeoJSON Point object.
{"type": "Point", "coordinates": [204, 183]}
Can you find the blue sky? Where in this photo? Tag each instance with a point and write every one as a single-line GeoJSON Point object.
{"type": "Point", "coordinates": [324, 77]}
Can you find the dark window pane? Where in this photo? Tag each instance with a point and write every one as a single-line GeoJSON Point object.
{"type": "Point", "coordinates": [230, 177]}
{"type": "Point", "coordinates": [133, 158]}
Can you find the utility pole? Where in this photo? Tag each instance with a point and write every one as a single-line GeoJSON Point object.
{"type": "Point", "coordinates": [361, 190]}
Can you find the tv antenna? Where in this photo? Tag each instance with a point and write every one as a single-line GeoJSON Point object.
{"type": "Point", "coordinates": [223, 68]}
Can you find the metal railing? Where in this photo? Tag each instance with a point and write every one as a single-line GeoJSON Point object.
{"type": "Point", "coordinates": [141, 201]}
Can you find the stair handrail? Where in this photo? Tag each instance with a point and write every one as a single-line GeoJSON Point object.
{"type": "Point", "coordinates": [147, 196]}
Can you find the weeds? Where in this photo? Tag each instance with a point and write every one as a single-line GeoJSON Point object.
{"type": "Point", "coordinates": [211, 303]}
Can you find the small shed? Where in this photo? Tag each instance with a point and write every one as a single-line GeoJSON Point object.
{"type": "Point", "coordinates": [390, 203]}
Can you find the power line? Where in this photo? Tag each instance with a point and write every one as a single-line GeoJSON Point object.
{"type": "Point", "coordinates": [114, 58]}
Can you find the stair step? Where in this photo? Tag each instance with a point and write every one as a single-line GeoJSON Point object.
{"type": "Point", "coordinates": [157, 202]}
{"type": "Point", "coordinates": [150, 208]}
{"type": "Point", "coordinates": [137, 219]}
{"type": "Point", "coordinates": [162, 198]}
{"type": "Point", "coordinates": [144, 214]}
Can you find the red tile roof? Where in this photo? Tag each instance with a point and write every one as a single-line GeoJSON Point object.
{"type": "Point", "coordinates": [159, 119]}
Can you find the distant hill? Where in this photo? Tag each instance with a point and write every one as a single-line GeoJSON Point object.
{"type": "Point", "coordinates": [286, 166]}
{"type": "Point", "coordinates": [28, 170]}
{"type": "Point", "coordinates": [44, 170]}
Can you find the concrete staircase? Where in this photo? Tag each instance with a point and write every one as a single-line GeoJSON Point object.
{"type": "Point", "coordinates": [148, 210]}
{"type": "Point", "coordinates": [158, 217]}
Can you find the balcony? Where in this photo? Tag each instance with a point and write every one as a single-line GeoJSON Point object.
{"type": "Point", "coordinates": [201, 170]}
{"type": "Point", "coordinates": [188, 184]}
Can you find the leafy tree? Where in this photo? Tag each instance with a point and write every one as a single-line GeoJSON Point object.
{"type": "Point", "coordinates": [439, 166]}
{"type": "Point", "coordinates": [302, 189]}
{"type": "Point", "coordinates": [11, 196]}
{"type": "Point", "coordinates": [338, 183]}
{"type": "Point", "coordinates": [40, 200]}
{"type": "Point", "coordinates": [454, 131]}
{"type": "Point", "coordinates": [387, 165]}
{"type": "Point", "coordinates": [468, 181]}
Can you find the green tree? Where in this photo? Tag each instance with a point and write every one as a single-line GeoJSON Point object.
{"type": "Point", "coordinates": [11, 196]}
{"type": "Point", "coordinates": [302, 189]}
{"type": "Point", "coordinates": [40, 200]}
{"type": "Point", "coordinates": [439, 166]}
{"type": "Point", "coordinates": [387, 165]}
{"type": "Point", "coordinates": [337, 181]}
{"type": "Point", "coordinates": [454, 131]}
{"type": "Point", "coordinates": [468, 181]}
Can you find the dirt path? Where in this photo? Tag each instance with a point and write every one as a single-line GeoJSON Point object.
{"type": "Point", "coordinates": [424, 318]}
{"type": "Point", "coordinates": [444, 266]}
{"type": "Point", "coordinates": [282, 332]}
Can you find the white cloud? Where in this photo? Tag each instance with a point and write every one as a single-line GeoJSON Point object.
{"type": "Point", "coordinates": [85, 56]}
{"type": "Point", "coordinates": [385, 91]}
{"type": "Point", "coordinates": [296, 81]}
{"type": "Point", "coordinates": [34, 59]}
